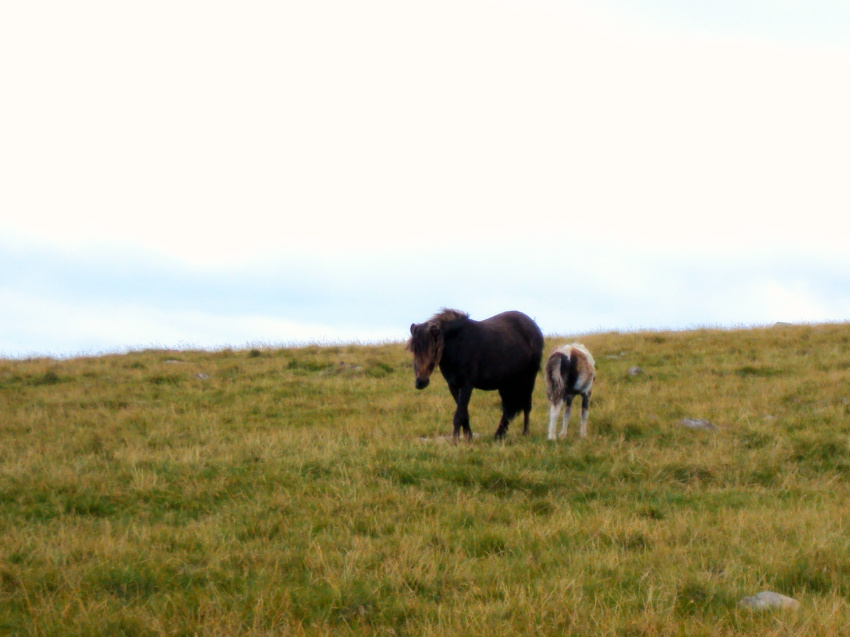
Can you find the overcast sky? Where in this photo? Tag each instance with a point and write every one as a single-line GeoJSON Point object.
{"type": "Point", "coordinates": [212, 174]}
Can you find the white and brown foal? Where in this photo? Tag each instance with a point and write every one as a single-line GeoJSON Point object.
{"type": "Point", "coordinates": [570, 372]}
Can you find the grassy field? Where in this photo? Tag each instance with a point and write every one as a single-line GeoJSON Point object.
{"type": "Point", "coordinates": [312, 491]}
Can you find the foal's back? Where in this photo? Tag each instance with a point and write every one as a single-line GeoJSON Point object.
{"type": "Point", "coordinates": [571, 370]}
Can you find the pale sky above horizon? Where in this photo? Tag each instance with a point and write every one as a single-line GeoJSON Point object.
{"type": "Point", "coordinates": [191, 174]}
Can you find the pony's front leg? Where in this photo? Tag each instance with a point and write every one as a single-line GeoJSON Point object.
{"type": "Point", "coordinates": [567, 411]}
{"type": "Point", "coordinates": [554, 410]}
{"type": "Point", "coordinates": [461, 418]}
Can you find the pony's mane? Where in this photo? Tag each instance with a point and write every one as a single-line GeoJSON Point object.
{"type": "Point", "coordinates": [447, 316]}
{"type": "Point", "coordinates": [446, 320]}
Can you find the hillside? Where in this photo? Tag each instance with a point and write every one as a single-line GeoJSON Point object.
{"type": "Point", "coordinates": [313, 491]}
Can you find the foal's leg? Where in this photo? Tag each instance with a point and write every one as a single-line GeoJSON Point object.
{"type": "Point", "coordinates": [585, 408]}
{"type": "Point", "coordinates": [554, 410]}
{"type": "Point", "coordinates": [567, 411]}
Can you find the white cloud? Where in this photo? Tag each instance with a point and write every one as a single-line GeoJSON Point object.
{"type": "Point", "coordinates": [796, 302]}
{"type": "Point", "coordinates": [40, 326]}
{"type": "Point", "coordinates": [69, 304]}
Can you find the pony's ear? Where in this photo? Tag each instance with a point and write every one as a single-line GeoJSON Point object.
{"type": "Point", "coordinates": [412, 327]}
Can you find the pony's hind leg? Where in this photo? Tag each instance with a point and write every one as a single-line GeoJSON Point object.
{"type": "Point", "coordinates": [526, 412]}
{"type": "Point", "coordinates": [568, 408]}
{"type": "Point", "coordinates": [554, 410]}
{"type": "Point", "coordinates": [507, 415]}
{"type": "Point", "coordinates": [510, 408]}
{"type": "Point", "coordinates": [503, 427]}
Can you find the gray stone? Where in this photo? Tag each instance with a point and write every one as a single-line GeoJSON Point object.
{"type": "Point", "coordinates": [768, 599]}
{"type": "Point", "coordinates": [634, 371]}
{"type": "Point", "coordinates": [697, 423]}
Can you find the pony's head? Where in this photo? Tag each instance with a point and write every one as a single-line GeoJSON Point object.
{"type": "Point", "coordinates": [426, 343]}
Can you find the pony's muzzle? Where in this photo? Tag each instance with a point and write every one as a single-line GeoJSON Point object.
{"type": "Point", "coordinates": [422, 383]}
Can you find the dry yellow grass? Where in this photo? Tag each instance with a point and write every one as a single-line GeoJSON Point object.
{"type": "Point", "coordinates": [310, 491]}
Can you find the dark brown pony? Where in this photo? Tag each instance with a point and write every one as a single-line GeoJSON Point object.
{"type": "Point", "coordinates": [500, 353]}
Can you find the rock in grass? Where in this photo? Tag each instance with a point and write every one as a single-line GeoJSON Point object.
{"type": "Point", "coordinates": [634, 371]}
{"type": "Point", "coordinates": [768, 599]}
{"type": "Point", "coordinates": [697, 423]}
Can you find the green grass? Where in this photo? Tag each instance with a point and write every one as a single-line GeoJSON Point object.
{"type": "Point", "coordinates": [313, 491]}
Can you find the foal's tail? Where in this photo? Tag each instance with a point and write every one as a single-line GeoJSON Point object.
{"type": "Point", "coordinates": [555, 386]}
